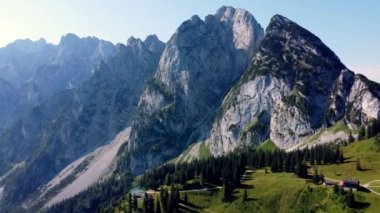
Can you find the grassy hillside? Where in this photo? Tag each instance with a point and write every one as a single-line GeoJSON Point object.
{"type": "Point", "coordinates": [266, 192]}
{"type": "Point", "coordinates": [286, 192]}
{"type": "Point", "coordinates": [194, 151]}
{"type": "Point", "coordinates": [273, 192]}
{"type": "Point", "coordinates": [369, 157]}
{"type": "Point", "coordinates": [268, 145]}
{"type": "Point", "coordinates": [277, 192]}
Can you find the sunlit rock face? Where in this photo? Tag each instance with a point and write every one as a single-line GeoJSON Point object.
{"type": "Point", "coordinates": [200, 63]}
{"type": "Point", "coordinates": [294, 86]}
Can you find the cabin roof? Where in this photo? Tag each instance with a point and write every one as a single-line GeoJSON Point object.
{"type": "Point", "coordinates": [331, 182]}
{"type": "Point", "coordinates": [351, 181]}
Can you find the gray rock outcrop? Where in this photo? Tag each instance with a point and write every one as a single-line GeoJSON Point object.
{"type": "Point", "coordinates": [200, 63]}
{"type": "Point", "coordinates": [295, 85]}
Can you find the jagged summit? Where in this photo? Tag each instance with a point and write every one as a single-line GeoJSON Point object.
{"type": "Point", "coordinates": [153, 43]}
{"type": "Point", "coordinates": [279, 19]}
{"type": "Point", "coordinates": [294, 86]}
{"type": "Point", "coordinates": [151, 38]}
{"type": "Point", "coordinates": [227, 26]}
{"type": "Point", "coordinates": [84, 117]}
{"type": "Point", "coordinates": [69, 38]}
{"type": "Point", "coordinates": [200, 63]}
{"type": "Point", "coordinates": [228, 14]}
{"type": "Point", "coordinates": [284, 35]}
{"type": "Point", "coordinates": [72, 40]}
{"type": "Point", "coordinates": [135, 42]}
{"type": "Point", "coordinates": [27, 45]}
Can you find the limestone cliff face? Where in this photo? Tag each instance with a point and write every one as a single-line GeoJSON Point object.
{"type": "Point", "coordinates": [338, 97]}
{"type": "Point", "coordinates": [363, 101]}
{"type": "Point", "coordinates": [294, 86]}
{"type": "Point", "coordinates": [197, 68]}
{"type": "Point", "coordinates": [246, 114]}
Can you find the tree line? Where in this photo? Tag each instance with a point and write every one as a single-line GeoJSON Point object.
{"type": "Point", "coordinates": [369, 130]}
{"type": "Point", "coordinates": [229, 169]}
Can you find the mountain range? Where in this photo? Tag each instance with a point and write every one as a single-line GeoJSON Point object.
{"type": "Point", "coordinates": [220, 83]}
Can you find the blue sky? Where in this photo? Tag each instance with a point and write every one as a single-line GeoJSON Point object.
{"type": "Point", "coordinates": [350, 27]}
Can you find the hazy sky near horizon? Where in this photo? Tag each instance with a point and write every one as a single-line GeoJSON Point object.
{"type": "Point", "coordinates": [349, 27]}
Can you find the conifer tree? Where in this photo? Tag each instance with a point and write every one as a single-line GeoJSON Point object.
{"type": "Point", "coordinates": [316, 178]}
{"type": "Point", "coordinates": [350, 199]}
{"type": "Point", "coordinates": [351, 138]}
{"type": "Point", "coordinates": [185, 199]}
{"type": "Point", "coordinates": [134, 203]}
{"type": "Point", "coordinates": [337, 154]}
{"type": "Point", "coordinates": [226, 192]}
{"type": "Point", "coordinates": [245, 196]}
{"type": "Point", "coordinates": [176, 198]}
{"type": "Point", "coordinates": [167, 180]}
{"type": "Point", "coordinates": [358, 165]}
{"type": "Point", "coordinates": [201, 179]}
{"type": "Point", "coordinates": [130, 202]}
{"type": "Point", "coordinates": [163, 200]}
{"type": "Point", "coordinates": [274, 166]}
{"type": "Point", "coordinates": [146, 203]}
{"type": "Point", "coordinates": [361, 134]}
{"type": "Point", "coordinates": [341, 157]}
{"type": "Point", "coordinates": [157, 205]}
{"type": "Point", "coordinates": [336, 189]}
{"type": "Point", "coordinates": [236, 177]}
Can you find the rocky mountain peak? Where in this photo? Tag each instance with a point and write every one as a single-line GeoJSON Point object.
{"type": "Point", "coordinates": [284, 95]}
{"type": "Point", "coordinates": [228, 26]}
{"type": "Point", "coordinates": [228, 13]}
{"type": "Point", "coordinates": [286, 36]}
{"type": "Point", "coordinates": [225, 12]}
{"type": "Point", "coordinates": [86, 50]}
{"type": "Point", "coordinates": [244, 26]}
{"type": "Point", "coordinates": [153, 43]}
{"type": "Point", "coordinates": [200, 63]}
{"type": "Point", "coordinates": [372, 86]}
{"type": "Point", "coordinates": [133, 41]}
{"type": "Point", "coordinates": [138, 47]}
{"type": "Point", "coordinates": [279, 20]}
{"type": "Point", "coordinates": [85, 117]}
{"type": "Point", "coordinates": [27, 45]}
{"type": "Point", "coordinates": [69, 39]}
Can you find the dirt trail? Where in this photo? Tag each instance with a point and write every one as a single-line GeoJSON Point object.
{"type": "Point", "coordinates": [332, 179]}
{"type": "Point", "coordinates": [368, 185]}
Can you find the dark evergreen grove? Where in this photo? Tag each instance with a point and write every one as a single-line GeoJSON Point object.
{"type": "Point", "coordinates": [231, 167]}
{"type": "Point", "coordinates": [370, 130]}
{"type": "Point", "coordinates": [169, 200]}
